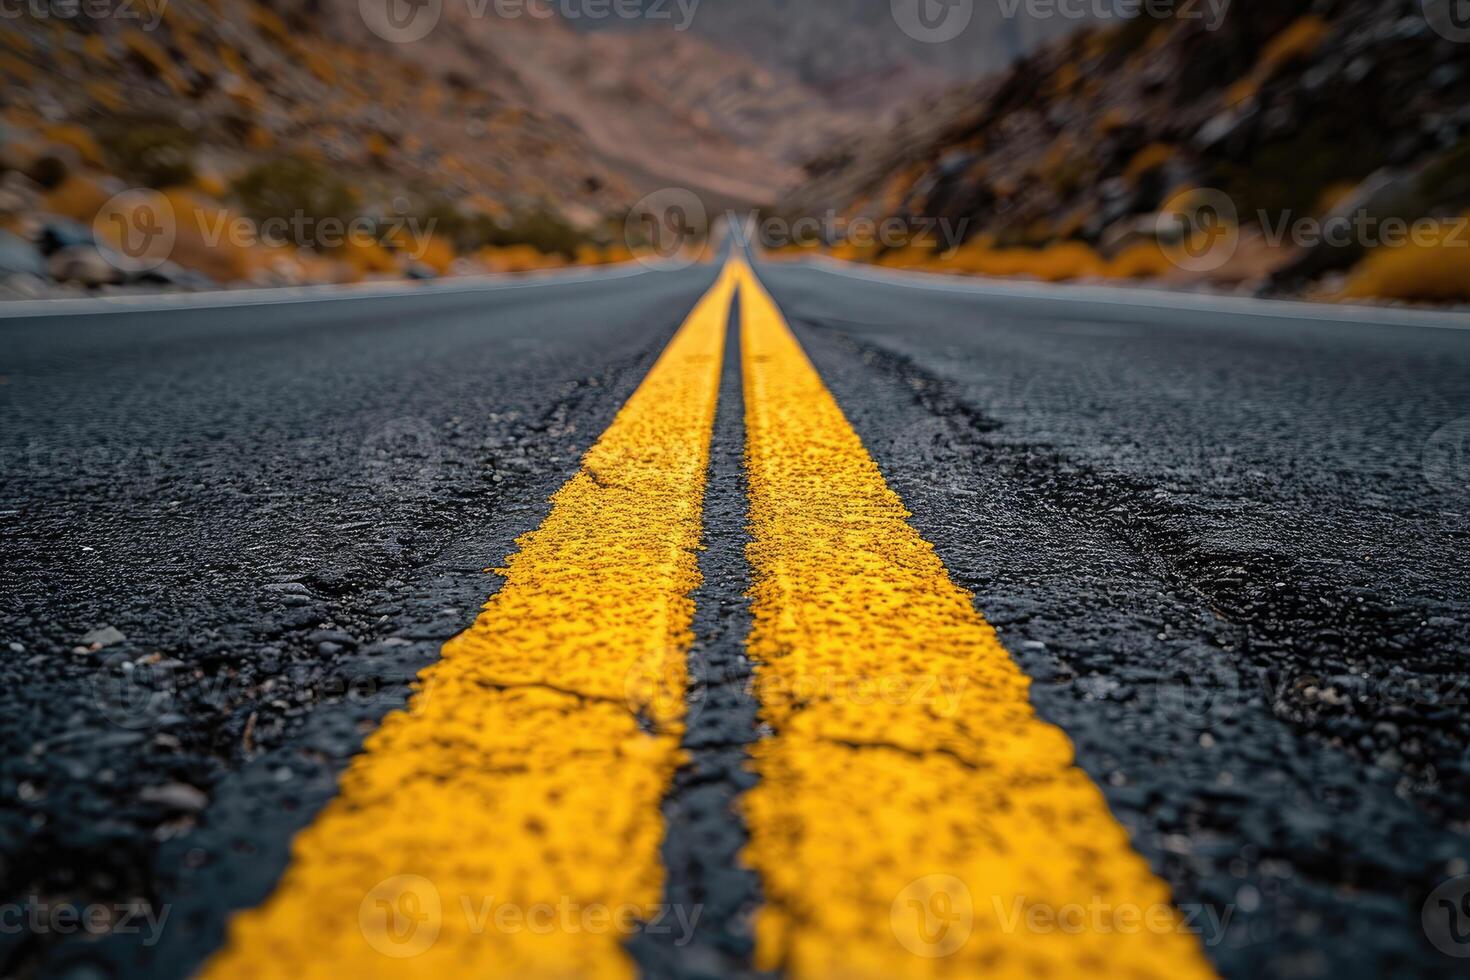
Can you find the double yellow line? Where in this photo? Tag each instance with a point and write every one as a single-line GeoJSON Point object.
{"type": "Point", "coordinates": [912, 816]}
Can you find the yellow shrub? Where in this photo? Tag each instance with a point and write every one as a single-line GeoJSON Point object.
{"type": "Point", "coordinates": [78, 198]}
{"type": "Point", "coordinates": [1334, 195]}
{"type": "Point", "coordinates": [94, 46]}
{"type": "Point", "coordinates": [847, 252]}
{"type": "Point", "coordinates": [1055, 262]}
{"type": "Point", "coordinates": [17, 68]}
{"type": "Point", "coordinates": [908, 257]}
{"type": "Point", "coordinates": [436, 253]}
{"type": "Point", "coordinates": [210, 184]}
{"type": "Point", "coordinates": [1434, 267]}
{"type": "Point", "coordinates": [897, 189]}
{"type": "Point", "coordinates": [232, 61]}
{"type": "Point", "coordinates": [1141, 260]}
{"type": "Point", "coordinates": [76, 137]}
{"type": "Point", "coordinates": [196, 56]}
{"type": "Point", "coordinates": [514, 258]}
{"type": "Point", "coordinates": [1149, 158]}
{"type": "Point", "coordinates": [367, 256]}
{"type": "Point", "coordinates": [1243, 90]}
{"type": "Point", "coordinates": [377, 146]}
{"type": "Point", "coordinates": [1298, 40]}
{"type": "Point", "coordinates": [105, 94]}
{"type": "Point", "coordinates": [270, 23]}
{"type": "Point", "coordinates": [259, 138]}
{"type": "Point", "coordinates": [1062, 260]}
{"type": "Point", "coordinates": [1065, 78]}
{"type": "Point", "coordinates": [321, 66]}
{"type": "Point", "coordinates": [202, 238]}
{"type": "Point", "coordinates": [1112, 121]}
{"type": "Point", "coordinates": [148, 53]}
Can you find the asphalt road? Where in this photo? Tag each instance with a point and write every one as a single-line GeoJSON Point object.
{"type": "Point", "coordinates": [1226, 541]}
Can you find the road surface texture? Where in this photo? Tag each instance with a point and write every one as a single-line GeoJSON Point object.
{"type": "Point", "coordinates": [803, 588]}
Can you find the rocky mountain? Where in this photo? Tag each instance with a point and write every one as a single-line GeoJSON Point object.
{"type": "Point", "coordinates": [1280, 152]}
{"type": "Point", "coordinates": [510, 138]}
{"type": "Point", "coordinates": [857, 51]}
{"type": "Point", "coordinates": [238, 113]}
{"type": "Point", "coordinates": [661, 106]}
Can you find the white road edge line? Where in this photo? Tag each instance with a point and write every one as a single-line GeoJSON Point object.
{"type": "Point", "coordinates": [271, 296]}
{"type": "Point", "coordinates": [1145, 298]}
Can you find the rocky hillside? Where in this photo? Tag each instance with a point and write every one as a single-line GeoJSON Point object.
{"type": "Point", "coordinates": [493, 142]}
{"type": "Point", "coordinates": [665, 107]}
{"type": "Point", "coordinates": [237, 113]}
{"type": "Point", "coordinates": [1306, 145]}
{"type": "Point", "coordinates": [856, 52]}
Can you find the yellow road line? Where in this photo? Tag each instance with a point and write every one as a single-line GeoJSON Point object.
{"type": "Point", "coordinates": [508, 823]}
{"type": "Point", "coordinates": [913, 815]}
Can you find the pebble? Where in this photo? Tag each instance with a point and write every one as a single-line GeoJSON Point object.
{"type": "Point", "coordinates": [288, 588]}
{"type": "Point", "coordinates": [177, 796]}
{"type": "Point", "coordinates": [103, 636]}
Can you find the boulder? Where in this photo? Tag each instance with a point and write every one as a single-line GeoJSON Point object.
{"type": "Point", "coordinates": [18, 256]}
{"type": "Point", "coordinates": [84, 264]}
{"type": "Point", "coordinates": [59, 233]}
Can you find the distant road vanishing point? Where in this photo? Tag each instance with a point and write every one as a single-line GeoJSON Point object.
{"type": "Point", "coordinates": [750, 619]}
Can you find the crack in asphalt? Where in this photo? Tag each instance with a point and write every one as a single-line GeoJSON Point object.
{"type": "Point", "coordinates": [705, 831]}
{"type": "Point", "coordinates": [393, 607]}
{"type": "Point", "coordinates": [1269, 620]}
{"type": "Point", "coordinates": [1237, 808]}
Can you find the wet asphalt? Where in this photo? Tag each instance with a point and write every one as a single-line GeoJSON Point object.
{"type": "Point", "coordinates": [1229, 550]}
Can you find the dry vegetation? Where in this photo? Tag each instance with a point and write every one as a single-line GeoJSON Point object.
{"type": "Point", "coordinates": [1071, 165]}
{"type": "Point", "coordinates": [240, 111]}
